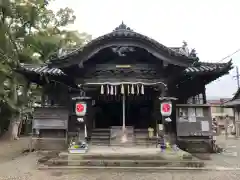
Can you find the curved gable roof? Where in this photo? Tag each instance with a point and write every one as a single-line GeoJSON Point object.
{"type": "Point", "coordinates": [124, 36]}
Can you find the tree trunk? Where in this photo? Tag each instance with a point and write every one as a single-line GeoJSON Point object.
{"type": "Point", "coordinates": [12, 133]}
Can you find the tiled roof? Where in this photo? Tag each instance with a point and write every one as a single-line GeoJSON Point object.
{"type": "Point", "coordinates": [218, 101]}
{"type": "Point", "coordinates": [201, 68]}
{"type": "Point", "coordinates": [208, 67]}
{"type": "Point", "coordinates": [235, 101]}
{"type": "Point", "coordinates": [236, 94]}
{"type": "Point", "coordinates": [41, 69]}
{"type": "Point", "coordinates": [232, 103]}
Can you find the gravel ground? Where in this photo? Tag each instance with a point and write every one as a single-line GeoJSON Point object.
{"type": "Point", "coordinates": [121, 175]}
{"type": "Point", "coordinates": [110, 175]}
{"type": "Point", "coordinates": [231, 156]}
{"type": "Point", "coordinates": [24, 168]}
{"type": "Point", "coordinates": [11, 149]}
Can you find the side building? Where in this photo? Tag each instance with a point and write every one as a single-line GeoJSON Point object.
{"type": "Point", "coordinates": [219, 111]}
{"type": "Point", "coordinates": [234, 104]}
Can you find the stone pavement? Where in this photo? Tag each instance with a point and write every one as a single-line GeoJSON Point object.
{"type": "Point", "coordinates": [231, 155]}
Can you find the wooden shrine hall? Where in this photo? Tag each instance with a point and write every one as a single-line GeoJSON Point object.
{"type": "Point", "coordinates": [121, 77]}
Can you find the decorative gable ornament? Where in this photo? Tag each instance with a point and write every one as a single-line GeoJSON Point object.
{"type": "Point", "coordinates": [81, 108]}
{"type": "Point", "coordinates": [166, 108]}
{"type": "Point", "coordinates": [123, 27]}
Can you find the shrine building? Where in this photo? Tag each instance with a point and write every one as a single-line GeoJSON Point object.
{"type": "Point", "coordinates": [120, 79]}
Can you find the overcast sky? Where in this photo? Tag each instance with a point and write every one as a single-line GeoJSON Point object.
{"type": "Point", "coordinates": [212, 27]}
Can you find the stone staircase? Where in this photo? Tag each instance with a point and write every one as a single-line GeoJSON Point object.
{"type": "Point", "coordinates": [117, 135]}
{"type": "Point", "coordinates": [142, 138]}
{"type": "Point", "coordinates": [113, 137]}
{"type": "Point", "coordinates": [100, 137]}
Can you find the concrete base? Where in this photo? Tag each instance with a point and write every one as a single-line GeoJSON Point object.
{"type": "Point", "coordinates": [111, 152]}
{"type": "Point", "coordinates": [125, 157]}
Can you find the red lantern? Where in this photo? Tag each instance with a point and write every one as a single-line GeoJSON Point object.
{"type": "Point", "coordinates": [81, 109]}
{"type": "Point", "coordinates": [166, 108]}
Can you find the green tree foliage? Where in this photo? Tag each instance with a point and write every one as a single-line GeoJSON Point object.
{"type": "Point", "coordinates": [30, 33]}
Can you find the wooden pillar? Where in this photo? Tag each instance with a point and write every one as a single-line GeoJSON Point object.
{"type": "Point", "coordinates": [43, 99]}
{"type": "Point", "coordinates": [204, 96]}
{"type": "Point", "coordinates": [157, 114]}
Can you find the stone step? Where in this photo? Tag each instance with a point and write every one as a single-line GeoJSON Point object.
{"type": "Point", "coordinates": [100, 137]}
{"type": "Point", "coordinates": [118, 156]}
{"type": "Point", "coordinates": [101, 129]}
{"type": "Point", "coordinates": [124, 163]}
{"type": "Point", "coordinates": [100, 142]}
{"type": "Point", "coordinates": [123, 144]}
{"type": "Point", "coordinates": [100, 132]}
{"type": "Point", "coordinates": [138, 169]}
{"type": "Point", "coordinates": [141, 141]}
{"type": "Point", "coordinates": [144, 139]}
{"type": "Point", "coordinates": [145, 143]}
{"type": "Point", "coordinates": [120, 140]}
